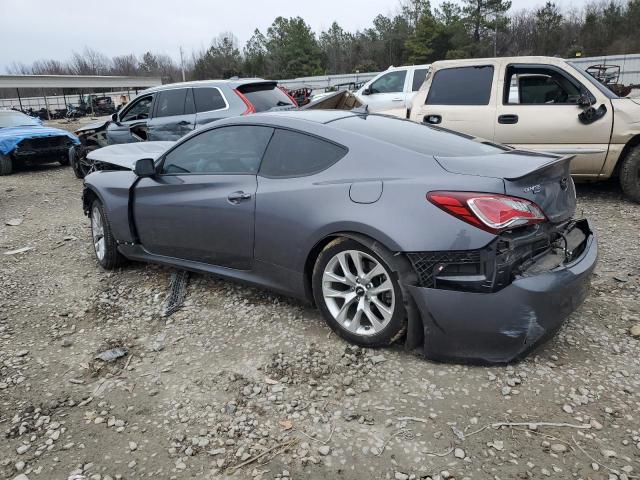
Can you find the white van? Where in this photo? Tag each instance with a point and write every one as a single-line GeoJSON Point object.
{"type": "Point", "coordinates": [393, 90]}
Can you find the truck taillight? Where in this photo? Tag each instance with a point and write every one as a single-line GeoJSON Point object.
{"type": "Point", "coordinates": [250, 107]}
{"type": "Point", "coordinates": [491, 212]}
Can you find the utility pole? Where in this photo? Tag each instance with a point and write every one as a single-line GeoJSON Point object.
{"type": "Point", "coordinates": [182, 63]}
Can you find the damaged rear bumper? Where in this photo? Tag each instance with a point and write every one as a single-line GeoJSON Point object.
{"type": "Point", "coordinates": [502, 326]}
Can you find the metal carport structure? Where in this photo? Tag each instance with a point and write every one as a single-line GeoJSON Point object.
{"type": "Point", "coordinates": [75, 81]}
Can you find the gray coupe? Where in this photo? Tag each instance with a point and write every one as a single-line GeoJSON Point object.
{"type": "Point", "coordinates": [393, 229]}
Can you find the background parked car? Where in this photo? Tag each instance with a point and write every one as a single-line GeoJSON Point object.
{"type": "Point", "coordinates": [538, 103]}
{"type": "Point", "coordinates": [25, 141]}
{"type": "Point", "coordinates": [171, 111]}
{"type": "Point", "coordinates": [393, 90]}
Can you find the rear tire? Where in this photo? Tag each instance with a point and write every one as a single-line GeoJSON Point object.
{"type": "Point", "coordinates": [630, 174]}
{"type": "Point", "coordinates": [363, 305]}
{"type": "Point", "coordinates": [6, 165]}
{"type": "Point", "coordinates": [104, 245]}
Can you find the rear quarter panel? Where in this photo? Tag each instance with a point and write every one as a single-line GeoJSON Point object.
{"type": "Point", "coordinates": [294, 214]}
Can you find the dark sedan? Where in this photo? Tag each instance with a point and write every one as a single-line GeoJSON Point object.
{"type": "Point", "coordinates": [25, 141]}
{"type": "Point", "coordinates": [393, 229]}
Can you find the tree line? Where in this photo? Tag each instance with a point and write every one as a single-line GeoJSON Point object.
{"type": "Point", "coordinates": [416, 33]}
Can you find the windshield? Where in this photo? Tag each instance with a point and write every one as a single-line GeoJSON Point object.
{"type": "Point", "coordinates": [16, 119]}
{"type": "Point", "coordinates": [603, 88]}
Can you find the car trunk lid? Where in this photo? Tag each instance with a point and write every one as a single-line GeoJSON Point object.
{"type": "Point", "coordinates": [544, 179]}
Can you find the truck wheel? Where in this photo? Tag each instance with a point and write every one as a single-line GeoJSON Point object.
{"type": "Point", "coordinates": [630, 174]}
{"type": "Point", "coordinates": [6, 164]}
{"type": "Point", "coordinates": [104, 245]}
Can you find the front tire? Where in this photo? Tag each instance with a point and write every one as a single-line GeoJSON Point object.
{"type": "Point", "coordinates": [79, 163]}
{"type": "Point", "coordinates": [630, 174]}
{"type": "Point", "coordinates": [104, 245]}
{"type": "Point", "coordinates": [6, 165]}
{"type": "Point", "coordinates": [358, 294]}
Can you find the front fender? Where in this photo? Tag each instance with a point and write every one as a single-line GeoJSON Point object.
{"type": "Point", "coordinates": [112, 189]}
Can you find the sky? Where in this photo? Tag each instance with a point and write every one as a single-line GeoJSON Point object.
{"type": "Point", "coordinates": [38, 29]}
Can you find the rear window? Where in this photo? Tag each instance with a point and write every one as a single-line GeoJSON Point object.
{"type": "Point", "coordinates": [414, 136]}
{"type": "Point", "coordinates": [265, 96]}
{"type": "Point", "coordinates": [461, 86]}
{"type": "Point", "coordinates": [208, 99]}
{"type": "Point", "coordinates": [171, 102]}
{"type": "Point", "coordinates": [294, 154]}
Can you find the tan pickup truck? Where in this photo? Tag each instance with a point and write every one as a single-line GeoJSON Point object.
{"type": "Point", "coordinates": [537, 103]}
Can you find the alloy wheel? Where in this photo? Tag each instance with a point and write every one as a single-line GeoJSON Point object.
{"type": "Point", "coordinates": [358, 292]}
{"type": "Point", "coordinates": [97, 232]}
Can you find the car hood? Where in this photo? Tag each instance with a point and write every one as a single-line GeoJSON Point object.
{"type": "Point", "coordinates": [10, 137]}
{"type": "Point", "coordinates": [93, 126]}
{"type": "Point", "coordinates": [125, 155]}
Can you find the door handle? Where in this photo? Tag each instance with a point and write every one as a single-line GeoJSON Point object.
{"type": "Point", "coordinates": [397, 99]}
{"type": "Point", "coordinates": [508, 119]}
{"type": "Point", "coordinates": [433, 119]}
{"type": "Point", "coordinates": [183, 122]}
{"type": "Point", "coordinates": [237, 197]}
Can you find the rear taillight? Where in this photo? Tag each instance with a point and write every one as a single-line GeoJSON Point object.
{"type": "Point", "coordinates": [250, 107]}
{"type": "Point", "coordinates": [293, 100]}
{"type": "Point", "coordinates": [491, 212]}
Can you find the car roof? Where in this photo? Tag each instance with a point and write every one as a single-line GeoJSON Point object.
{"type": "Point", "coordinates": [231, 83]}
{"type": "Point", "coordinates": [504, 60]}
{"type": "Point", "coordinates": [317, 116]}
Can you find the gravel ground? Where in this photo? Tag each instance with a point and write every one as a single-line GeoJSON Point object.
{"type": "Point", "coordinates": [242, 383]}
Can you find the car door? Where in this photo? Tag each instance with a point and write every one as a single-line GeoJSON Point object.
{"type": "Point", "coordinates": [539, 110]}
{"type": "Point", "coordinates": [131, 124]}
{"type": "Point", "coordinates": [200, 206]}
{"type": "Point", "coordinates": [174, 114]}
{"type": "Point", "coordinates": [462, 99]}
{"type": "Point", "coordinates": [386, 92]}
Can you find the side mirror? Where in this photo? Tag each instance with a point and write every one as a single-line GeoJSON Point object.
{"type": "Point", "coordinates": [114, 117]}
{"type": "Point", "coordinates": [585, 101]}
{"type": "Point", "coordinates": [145, 167]}
{"type": "Point", "coordinates": [366, 91]}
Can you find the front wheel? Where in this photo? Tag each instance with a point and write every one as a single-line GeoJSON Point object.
{"type": "Point", "coordinates": [104, 245]}
{"type": "Point", "coordinates": [79, 163]}
{"type": "Point", "coordinates": [630, 174]}
{"type": "Point", "coordinates": [358, 294]}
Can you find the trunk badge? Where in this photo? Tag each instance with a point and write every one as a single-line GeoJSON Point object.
{"type": "Point", "coordinates": [533, 189]}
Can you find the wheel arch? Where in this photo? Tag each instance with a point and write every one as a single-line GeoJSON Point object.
{"type": "Point", "coordinates": [632, 143]}
{"type": "Point", "coordinates": [89, 194]}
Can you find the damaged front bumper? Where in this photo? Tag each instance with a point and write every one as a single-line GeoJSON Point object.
{"type": "Point", "coordinates": [502, 325]}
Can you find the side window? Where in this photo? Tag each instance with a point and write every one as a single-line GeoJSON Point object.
{"type": "Point", "coordinates": [418, 79]}
{"type": "Point", "coordinates": [539, 86]}
{"type": "Point", "coordinates": [208, 99]}
{"type": "Point", "coordinates": [293, 154]}
{"type": "Point", "coordinates": [138, 110]}
{"type": "Point", "coordinates": [170, 102]}
{"type": "Point", "coordinates": [461, 86]}
{"type": "Point", "coordinates": [225, 150]}
{"type": "Point", "coordinates": [391, 82]}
